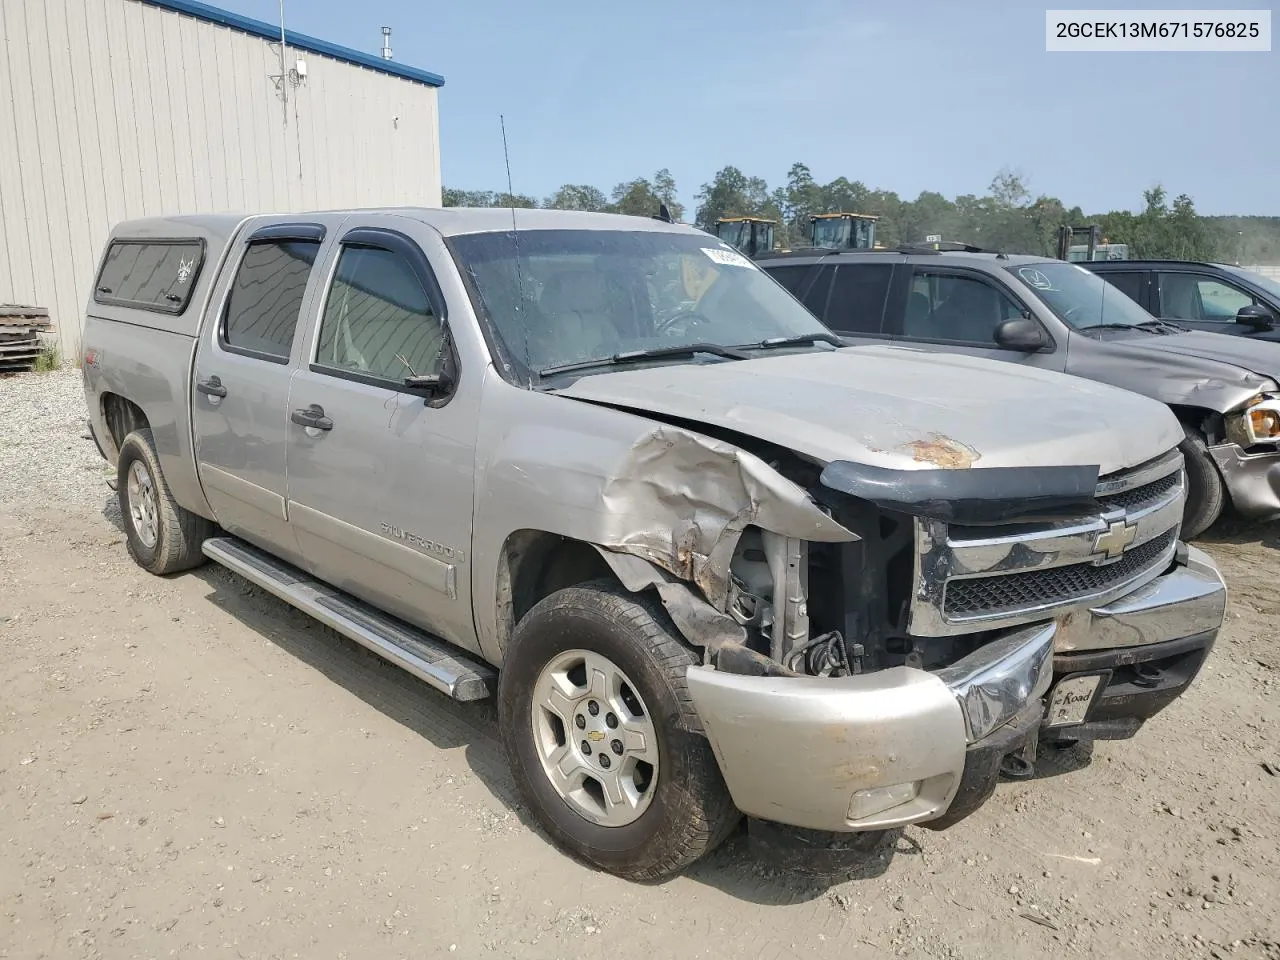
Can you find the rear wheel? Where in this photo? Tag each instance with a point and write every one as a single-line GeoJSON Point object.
{"type": "Point", "coordinates": [163, 537]}
{"type": "Point", "coordinates": [1206, 493]}
{"type": "Point", "coordinates": [602, 736]}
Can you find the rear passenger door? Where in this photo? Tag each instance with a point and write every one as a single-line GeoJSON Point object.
{"type": "Point", "coordinates": [244, 362]}
{"type": "Point", "coordinates": [381, 475]}
{"type": "Point", "coordinates": [1134, 284]}
{"type": "Point", "coordinates": [957, 311]}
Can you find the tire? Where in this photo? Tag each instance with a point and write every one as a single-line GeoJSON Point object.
{"type": "Point", "coordinates": [162, 536]}
{"type": "Point", "coordinates": [685, 810]}
{"type": "Point", "coordinates": [1206, 493]}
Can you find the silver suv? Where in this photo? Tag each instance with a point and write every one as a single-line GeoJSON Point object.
{"type": "Point", "coordinates": [1054, 315]}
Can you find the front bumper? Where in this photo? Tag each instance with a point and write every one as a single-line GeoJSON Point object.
{"type": "Point", "coordinates": [1253, 480]}
{"type": "Point", "coordinates": [901, 745]}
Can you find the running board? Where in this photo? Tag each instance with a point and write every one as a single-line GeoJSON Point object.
{"type": "Point", "coordinates": [428, 658]}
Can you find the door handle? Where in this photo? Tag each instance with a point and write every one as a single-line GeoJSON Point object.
{"type": "Point", "coordinates": [312, 416]}
{"type": "Point", "coordinates": [212, 387]}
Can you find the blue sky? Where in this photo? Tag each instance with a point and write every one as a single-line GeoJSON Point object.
{"type": "Point", "coordinates": [905, 96]}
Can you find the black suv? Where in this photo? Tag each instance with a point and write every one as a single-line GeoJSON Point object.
{"type": "Point", "coordinates": [1207, 296]}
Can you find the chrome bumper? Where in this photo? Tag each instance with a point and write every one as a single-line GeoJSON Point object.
{"type": "Point", "coordinates": [1252, 479]}
{"type": "Point", "coordinates": [889, 748]}
{"type": "Point", "coordinates": [1187, 600]}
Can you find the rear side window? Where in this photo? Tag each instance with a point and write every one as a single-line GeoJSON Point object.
{"type": "Point", "coordinates": [792, 277]}
{"type": "Point", "coordinates": [858, 297]}
{"type": "Point", "coordinates": [156, 275]}
{"type": "Point", "coordinates": [378, 321]}
{"type": "Point", "coordinates": [266, 298]}
{"type": "Point", "coordinates": [815, 298]}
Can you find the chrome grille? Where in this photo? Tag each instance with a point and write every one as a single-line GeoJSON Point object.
{"type": "Point", "coordinates": [978, 578]}
{"type": "Point", "coordinates": [1139, 497]}
{"type": "Point", "coordinates": [1037, 588]}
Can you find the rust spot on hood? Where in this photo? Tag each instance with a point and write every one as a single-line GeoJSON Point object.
{"type": "Point", "coordinates": [943, 452]}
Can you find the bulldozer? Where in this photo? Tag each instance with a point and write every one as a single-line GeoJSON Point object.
{"type": "Point", "coordinates": [750, 235]}
{"type": "Point", "coordinates": [843, 231]}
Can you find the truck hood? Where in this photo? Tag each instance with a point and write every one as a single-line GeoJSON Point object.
{"type": "Point", "coordinates": [901, 408]}
{"type": "Point", "coordinates": [1211, 370]}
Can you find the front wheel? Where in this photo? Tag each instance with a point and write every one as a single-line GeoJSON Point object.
{"type": "Point", "coordinates": [603, 738]}
{"type": "Point", "coordinates": [1206, 493]}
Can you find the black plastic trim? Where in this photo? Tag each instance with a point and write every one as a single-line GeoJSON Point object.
{"type": "Point", "coordinates": [976, 497]}
{"type": "Point", "coordinates": [313, 232]}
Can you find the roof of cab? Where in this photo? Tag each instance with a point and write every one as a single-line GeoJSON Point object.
{"type": "Point", "coordinates": [449, 221]}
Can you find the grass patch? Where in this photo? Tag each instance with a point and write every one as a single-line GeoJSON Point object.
{"type": "Point", "coordinates": [50, 359]}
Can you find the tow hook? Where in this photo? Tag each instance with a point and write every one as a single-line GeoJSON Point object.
{"type": "Point", "coordinates": [1016, 767]}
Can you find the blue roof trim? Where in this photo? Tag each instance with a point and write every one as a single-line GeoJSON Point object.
{"type": "Point", "coordinates": [260, 28]}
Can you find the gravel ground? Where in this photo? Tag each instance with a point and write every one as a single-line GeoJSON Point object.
{"type": "Point", "coordinates": [42, 450]}
{"type": "Point", "coordinates": [188, 767]}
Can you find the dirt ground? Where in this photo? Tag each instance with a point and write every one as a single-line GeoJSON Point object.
{"type": "Point", "coordinates": [190, 768]}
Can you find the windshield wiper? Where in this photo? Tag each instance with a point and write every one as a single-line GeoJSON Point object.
{"type": "Point", "coordinates": [799, 340]}
{"type": "Point", "coordinates": [1120, 326]}
{"type": "Point", "coordinates": [654, 353]}
{"type": "Point", "coordinates": [1166, 325]}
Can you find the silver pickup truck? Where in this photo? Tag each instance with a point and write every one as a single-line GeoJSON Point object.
{"type": "Point", "coordinates": [710, 561]}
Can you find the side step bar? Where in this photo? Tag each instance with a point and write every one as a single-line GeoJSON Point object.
{"type": "Point", "coordinates": [426, 657]}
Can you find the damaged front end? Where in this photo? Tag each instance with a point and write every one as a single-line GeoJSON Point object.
{"type": "Point", "coordinates": [886, 677]}
{"type": "Point", "coordinates": [1248, 456]}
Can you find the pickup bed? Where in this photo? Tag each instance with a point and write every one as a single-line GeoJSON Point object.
{"type": "Point", "coordinates": [710, 561]}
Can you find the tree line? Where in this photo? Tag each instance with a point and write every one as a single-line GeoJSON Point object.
{"type": "Point", "coordinates": [1008, 217]}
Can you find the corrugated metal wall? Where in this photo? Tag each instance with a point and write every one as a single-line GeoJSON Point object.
{"type": "Point", "coordinates": [114, 109]}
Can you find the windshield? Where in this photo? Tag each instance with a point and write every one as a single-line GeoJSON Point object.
{"type": "Point", "coordinates": [581, 295]}
{"type": "Point", "coordinates": [1079, 297]}
{"type": "Point", "coordinates": [1269, 284]}
{"type": "Point", "coordinates": [831, 233]}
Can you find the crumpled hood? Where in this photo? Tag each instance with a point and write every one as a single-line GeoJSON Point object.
{"type": "Point", "coordinates": [902, 408]}
{"type": "Point", "coordinates": [1197, 368]}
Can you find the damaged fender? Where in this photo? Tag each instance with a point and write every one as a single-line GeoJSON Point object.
{"type": "Point", "coordinates": [627, 484]}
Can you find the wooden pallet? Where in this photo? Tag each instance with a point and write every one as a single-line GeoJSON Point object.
{"type": "Point", "coordinates": [21, 329]}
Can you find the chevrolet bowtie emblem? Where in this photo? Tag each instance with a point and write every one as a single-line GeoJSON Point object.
{"type": "Point", "coordinates": [1113, 541]}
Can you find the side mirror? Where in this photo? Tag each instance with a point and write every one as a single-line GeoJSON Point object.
{"type": "Point", "coordinates": [429, 384]}
{"type": "Point", "coordinates": [1020, 334]}
{"type": "Point", "coordinates": [1257, 316]}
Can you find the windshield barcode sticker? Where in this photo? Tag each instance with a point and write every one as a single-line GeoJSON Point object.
{"type": "Point", "coordinates": [729, 258]}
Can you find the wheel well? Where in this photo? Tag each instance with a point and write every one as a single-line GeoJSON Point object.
{"type": "Point", "coordinates": [1207, 422]}
{"type": "Point", "coordinates": [536, 564]}
{"type": "Point", "coordinates": [122, 417]}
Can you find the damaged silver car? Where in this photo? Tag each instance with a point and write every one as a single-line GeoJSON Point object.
{"type": "Point", "coordinates": [710, 561]}
{"type": "Point", "coordinates": [1054, 315]}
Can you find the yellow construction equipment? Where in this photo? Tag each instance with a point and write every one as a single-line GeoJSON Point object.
{"type": "Point", "coordinates": [750, 235]}
{"type": "Point", "coordinates": [843, 231]}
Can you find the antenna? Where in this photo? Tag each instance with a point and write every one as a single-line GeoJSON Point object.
{"type": "Point", "coordinates": [515, 240]}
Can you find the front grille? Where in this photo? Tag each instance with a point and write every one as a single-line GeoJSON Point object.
{"type": "Point", "coordinates": [1141, 496]}
{"type": "Point", "coordinates": [982, 596]}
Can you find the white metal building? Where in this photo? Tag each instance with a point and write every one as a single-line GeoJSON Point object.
{"type": "Point", "coordinates": [115, 109]}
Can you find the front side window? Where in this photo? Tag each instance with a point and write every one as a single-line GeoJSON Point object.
{"type": "Point", "coordinates": [266, 298]}
{"type": "Point", "coordinates": [556, 297]}
{"type": "Point", "coordinates": [156, 275]}
{"type": "Point", "coordinates": [377, 319]}
{"type": "Point", "coordinates": [948, 306]}
{"type": "Point", "coordinates": [1185, 296]}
